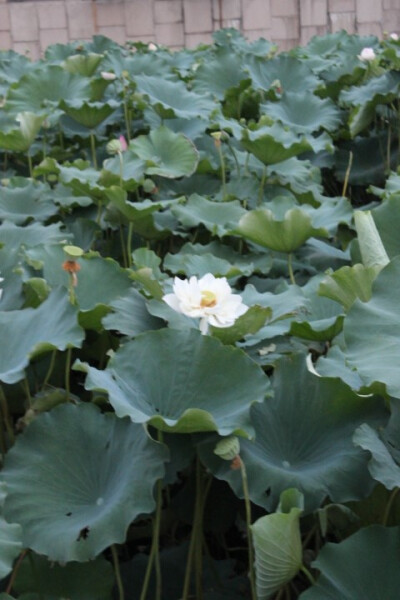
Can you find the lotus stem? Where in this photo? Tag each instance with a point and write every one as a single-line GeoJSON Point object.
{"type": "Point", "coordinates": [388, 157]}
{"type": "Point", "coordinates": [248, 525]}
{"type": "Point", "coordinates": [129, 245]}
{"type": "Point", "coordinates": [67, 373]}
{"type": "Point", "coordinates": [50, 369]}
{"type": "Point", "coordinates": [123, 249]}
{"type": "Point", "coordinates": [30, 165]}
{"type": "Point", "coordinates": [121, 593]}
{"type": "Point", "coordinates": [261, 188]}
{"type": "Point", "coordinates": [6, 415]}
{"type": "Point", "coordinates": [290, 267]}
{"type": "Point", "coordinates": [15, 571]}
{"type": "Point", "coordinates": [347, 175]}
{"type": "Point", "coordinates": [389, 505]}
{"type": "Point", "coordinates": [126, 116]}
{"type": "Point", "coordinates": [223, 168]}
{"type": "Point", "coordinates": [307, 573]}
{"type": "Point", "coordinates": [154, 556]}
{"type": "Point", "coordinates": [93, 149]}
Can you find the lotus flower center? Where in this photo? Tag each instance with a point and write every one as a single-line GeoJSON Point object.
{"type": "Point", "coordinates": [208, 299]}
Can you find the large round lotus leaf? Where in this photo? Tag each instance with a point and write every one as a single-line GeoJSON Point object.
{"type": "Point", "coordinates": [303, 440]}
{"type": "Point", "coordinates": [30, 332]}
{"type": "Point", "coordinates": [21, 136]}
{"type": "Point", "coordinates": [166, 153]}
{"type": "Point", "coordinates": [217, 217]}
{"type": "Point", "coordinates": [76, 479]}
{"type": "Point", "coordinates": [18, 204]}
{"type": "Point", "coordinates": [32, 235]}
{"type": "Point", "coordinates": [304, 112]}
{"type": "Point", "coordinates": [274, 143]}
{"type": "Point", "coordinates": [282, 235]}
{"type": "Point", "coordinates": [77, 581]}
{"type": "Point", "coordinates": [130, 315]}
{"type": "Point", "coordinates": [292, 74]}
{"type": "Point", "coordinates": [182, 381]}
{"type": "Point", "coordinates": [172, 99]}
{"type": "Point", "coordinates": [364, 566]}
{"type": "Point", "coordinates": [218, 75]}
{"type": "Point", "coordinates": [88, 114]}
{"type": "Point", "coordinates": [372, 332]}
{"type": "Point", "coordinates": [45, 88]}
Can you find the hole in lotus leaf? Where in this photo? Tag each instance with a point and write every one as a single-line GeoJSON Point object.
{"type": "Point", "coordinates": [83, 534]}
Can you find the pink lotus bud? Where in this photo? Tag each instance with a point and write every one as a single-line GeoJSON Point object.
{"type": "Point", "coordinates": [394, 36]}
{"type": "Point", "coordinates": [123, 142]}
{"type": "Point", "coordinates": [367, 54]}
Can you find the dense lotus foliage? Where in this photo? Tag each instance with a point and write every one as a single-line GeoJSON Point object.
{"type": "Point", "coordinates": [200, 321]}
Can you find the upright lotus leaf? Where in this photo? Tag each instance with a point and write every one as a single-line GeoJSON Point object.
{"type": "Point", "coordinates": [10, 540]}
{"type": "Point", "coordinates": [387, 217]}
{"type": "Point", "coordinates": [249, 323]}
{"type": "Point", "coordinates": [42, 90]}
{"type": "Point", "coordinates": [364, 99]}
{"type": "Point", "coordinates": [99, 280]}
{"type": "Point", "coordinates": [76, 479]}
{"type": "Point", "coordinates": [303, 439]}
{"type": "Point", "coordinates": [201, 385]}
{"type": "Point", "coordinates": [372, 250]}
{"type": "Point", "coordinates": [166, 153]}
{"type": "Point", "coordinates": [83, 64]}
{"type": "Point", "coordinates": [20, 204]}
{"type": "Point", "coordinates": [88, 114]}
{"type": "Point", "coordinates": [130, 315]}
{"type": "Point", "coordinates": [347, 284]}
{"type": "Point", "coordinates": [363, 566]}
{"type": "Point", "coordinates": [274, 143]}
{"type": "Point", "coordinates": [382, 465]}
{"type": "Point", "coordinates": [127, 167]}
{"type": "Point", "coordinates": [217, 217]}
{"type": "Point", "coordinates": [21, 139]}
{"type": "Point", "coordinates": [280, 234]}
{"type": "Point", "coordinates": [217, 75]}
{"type": "Point", "coordinates": [372, 332]}
{"type": "Point", "coordinates": [30, 332]}
{"type": "Point", "coordinates": [304, 112]}
{"type": "Point", "coordinates": [278, 549]}
{"type": "Point", "coordinates": [334, 364]}
{"type": "Point", "coordinates": [80, 581]}
{"type": "Point", "coordinates": [292, 73]}
{"type": "Point", "coordinates": [172, 99]}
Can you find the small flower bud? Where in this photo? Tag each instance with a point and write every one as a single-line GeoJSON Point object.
{"type": "Point", "coordinates": [228, 448]}
{"type": "Point", "coordinates": [108, 76]}
{"type": "Point", "coordinates": [367, 54]}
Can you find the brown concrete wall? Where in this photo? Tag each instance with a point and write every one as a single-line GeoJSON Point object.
{"type": "Point", "coordinates": [32, 26]}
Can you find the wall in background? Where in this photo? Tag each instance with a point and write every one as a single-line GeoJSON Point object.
{"type": "Point", "coordinates": [30, 26]}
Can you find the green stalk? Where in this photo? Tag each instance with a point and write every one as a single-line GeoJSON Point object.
{"type": "Point", "coordinates": [154, 556]}
{"type": "Point", "coordinates": [389, 506]}
{"type": "Point", "coordinates": [68, 372]}
{"type": "Point", "coordinates": [248, 525]}
{"type": "Point", "coordinates": [117, 571]}
{"type": "Point", "coordinates": [30, 165]}
{"type": "Point", "coordinates": [223, 169]}
{"type": "Point", "coordinates": [93, 149]}
{"type": "Point", "coordinates": [121, 168]}
{"type": "Point", "coordinates": [129, 244]}
{"type": "Point", "coordinates": [126, 116]}
{"type": "Point", "coordinates": [261, 189]}
{"type": "Point", "coordinates": [50, 369]}
{"type": "Point", "coordinates": [307, 573]}
{"type": "Point", "coordinates": [25, 385]}
{"type": "Point", "coordinates": [347, 175]}
{"type": "Point", "coordinates": [15, 572]}
{"type": "Point", "coordinates": [6, 415]}
{"type": "Point", "coordinates": [123, 249]}
{"type": "Point", "coordinates": [290, 267]}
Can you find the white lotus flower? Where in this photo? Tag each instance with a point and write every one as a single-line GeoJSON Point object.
{"type": "Point", "coordinates": [394, 36]}
{"type": "Point", "coordinates": [367, 54]}
{"type": "Point", "coordinates": [209, 299]}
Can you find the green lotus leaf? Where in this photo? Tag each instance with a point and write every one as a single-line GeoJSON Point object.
{"type": "Point", "coordinates": [304, 112]}
{"type": "Point", "coordinates": [378, 90]}
{"type": "Point", "coordinates": [88, 114]}
{"type": "Point", "coordinates": [172, 99]}
{"type": "Point", "coordinates": [217, 75]}
{"type": "Point", "coordinates": [347, 284]}
{"type": "Point", "coordinates": [21, 139]}
{"type": "Point", "coordinates": [127, 167]}
{"type": "Point", "coordinates": [10, 540]}
{"type": "Point", "coordinates": [372, 332]}
{"type": "Point", "coordinates": [73, 504]}
{"type": "Point", "coordinates": [274, 143]}
{"type": "Point", "coordinates": [30, 332]}
{"type": "Point", "coordinates": [83, 64]}
{"type": "Point", "coordinates": [280, 234]}
{"type": "Point", "coordinates": [303, 440]}
{"type": "Point", "coordinates": [363, 566]}
{"type": "Point", "coordinates": [130, 315]}
{"type": "Point", "coordinates": [382, 465]}
{"type": "Point", "coordinates": [20, 204]}
{"type": "Point", "coordinates": [324, 317]}
{"type": "Point", "coordinates": [43, 89]}
{"type": "Point", "coordinates": [249, 323]}
{"type": "Point", "coordinates": [334, 364]}
{"type": "Point", "coordinates": [166, 153]}
{"type": "Point", "coordinates": [386, 217]}
{"type": "Point", "coordinates": [217, 217]}
{"type": "Point", "coordinates": [33, 234]}
{"type": "Point", "coordinates": [78, 581]}
{"type": "Point", "coordinates": [278, 550]}
{"type": "Point", "coordinates": [99, 280]}
{"type": "Point", "coordinates": [201, 385]}
{"type": "Point", "coordinates": [292, 73]}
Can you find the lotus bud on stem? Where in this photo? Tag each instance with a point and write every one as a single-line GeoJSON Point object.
{"type": "Point", "coordinates": [72, 267]}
